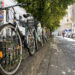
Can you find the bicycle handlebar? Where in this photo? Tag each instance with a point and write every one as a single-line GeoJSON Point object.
{"type": "Point", "coordinates": [19, 4]}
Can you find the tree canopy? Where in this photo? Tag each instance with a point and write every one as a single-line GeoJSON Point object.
{"type": "Point", "coordinates": [48, 12]}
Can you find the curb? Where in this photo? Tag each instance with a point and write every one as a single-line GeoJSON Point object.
{"type": "Point", "coordinates": [31, 64]}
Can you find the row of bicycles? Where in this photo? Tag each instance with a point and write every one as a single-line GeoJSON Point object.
{"type": "Point", "coordinates": [17, 37]}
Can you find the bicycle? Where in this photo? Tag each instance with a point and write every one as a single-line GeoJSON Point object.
{"type": "Point", "coordinates": [12, 43]}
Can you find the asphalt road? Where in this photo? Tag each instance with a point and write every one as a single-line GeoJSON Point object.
{"type": "Point", "coordinates": [60, 59]}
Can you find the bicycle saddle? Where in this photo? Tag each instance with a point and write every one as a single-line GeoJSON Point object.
{"type": "Point", "coordinates": [26, 15]}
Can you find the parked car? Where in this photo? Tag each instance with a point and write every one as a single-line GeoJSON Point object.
{"type": "Point", "coordinates": [73, 35]}
{"type": "Point", "coordinates": [69, 34]}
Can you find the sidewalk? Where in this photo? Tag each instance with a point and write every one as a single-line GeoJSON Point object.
{"type": "Point", "coordinates": [55, 62]}
{"type": "Point", "coordinates": [49, 61]}
{"type": "Point", "coordinates": [66, 38]}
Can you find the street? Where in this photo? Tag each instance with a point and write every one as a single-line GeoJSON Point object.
{"type": "Point", "coordinates": [60, 59]}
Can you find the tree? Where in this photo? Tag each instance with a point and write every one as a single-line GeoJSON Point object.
{"type": "Point", "coordinates": [48, 12]}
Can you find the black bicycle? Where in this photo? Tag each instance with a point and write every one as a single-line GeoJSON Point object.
{"type": "Point", "coordinates": [13, 41]}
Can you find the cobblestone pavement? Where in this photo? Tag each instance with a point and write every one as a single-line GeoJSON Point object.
{"type": "Point", "coordinates": [58, 59]}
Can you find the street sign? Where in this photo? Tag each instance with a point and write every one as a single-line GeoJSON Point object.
{"type": "Point", "coordinates": [65, 30]}
{"type": "Point", "coordinates": [70, 30]}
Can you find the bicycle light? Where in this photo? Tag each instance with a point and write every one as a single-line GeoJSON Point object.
{"type": "Point", "coordinates": [18, 46]}
{"type": "Point", "coordinates": [1, 54]}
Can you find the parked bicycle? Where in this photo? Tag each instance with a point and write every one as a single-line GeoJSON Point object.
{"type": "Point", "coordinates": [13, 41]}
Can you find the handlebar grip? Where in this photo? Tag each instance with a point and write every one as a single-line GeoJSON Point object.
{"type": "Point", "coordinates": [1, 8]}
{"type": "Point", "coordinates": [4, 8]}
{"type": "Point", "coordinates": [24, 4]}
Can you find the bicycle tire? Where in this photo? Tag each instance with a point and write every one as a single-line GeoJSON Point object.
{"type": "Point", "coordinates": [2, 69]}
{"type": "Point", "coordinates": [31, 44]}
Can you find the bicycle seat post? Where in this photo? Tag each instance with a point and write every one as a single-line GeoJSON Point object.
{"type": "Point", "coordinates": [7, 15]}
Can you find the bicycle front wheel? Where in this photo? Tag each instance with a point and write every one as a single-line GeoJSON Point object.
{"type": "Point", "coordinates": [31, 43]}
{"type": "Point", "coordinates": [10, 50]}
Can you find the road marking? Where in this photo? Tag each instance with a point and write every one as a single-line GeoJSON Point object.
{"type": "Point", "coordinates": [73, 44]}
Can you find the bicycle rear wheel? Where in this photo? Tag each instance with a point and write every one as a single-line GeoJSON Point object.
{"type": "Point", "coordinates": [10, 50]}
{"type": "Point", "coordinates": [31, 43]}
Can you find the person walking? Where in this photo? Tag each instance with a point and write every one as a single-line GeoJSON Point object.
{"type": "Point", "coordinates": [63, 33]}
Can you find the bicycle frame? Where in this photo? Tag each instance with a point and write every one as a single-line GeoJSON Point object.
{"type": "Point", "coordinates": [24, 37]}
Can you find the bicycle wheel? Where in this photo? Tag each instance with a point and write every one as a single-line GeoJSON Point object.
{"type": "Point", "coordinates": [10, 50]}
{"type": "Point", "coordinates": [31, 43]}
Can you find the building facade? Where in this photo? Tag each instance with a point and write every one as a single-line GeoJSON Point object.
{"type": "Point", "coordinates": [1, 12]}
{"type": "Point", "coordinates": [19, 11]}
{"type": "Point", "coordinates": [66, 22]}
{"type": "Point", "coordinates": [73, 18]}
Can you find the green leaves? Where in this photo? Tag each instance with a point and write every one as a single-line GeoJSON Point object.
{"type": "Point", "coordinates": [48, 12]}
